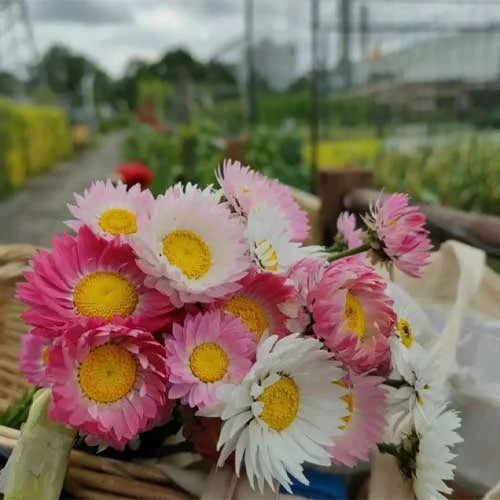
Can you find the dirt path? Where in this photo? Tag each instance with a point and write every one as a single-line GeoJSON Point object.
{"type": "Point", "coordinates": [36, 213]}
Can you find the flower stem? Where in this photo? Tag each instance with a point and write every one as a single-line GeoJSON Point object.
{"type": "Point", "coordinates": [348, 253]}
{"type": "Point", "coordinates": [388, 448]}
{"type": "Point", "coordinates": [395, 383]}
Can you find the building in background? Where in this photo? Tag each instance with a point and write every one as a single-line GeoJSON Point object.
{"type": "Point", "coordinates": [456, 72]}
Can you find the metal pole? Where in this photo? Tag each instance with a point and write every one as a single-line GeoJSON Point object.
{"type": "Point", "coordinates": [314, 93]}
{"type": "Point", "coordinates": [345, 39]}
{"type": "Point", "coordinates": [251, 90]}
{"type": "Point", "coordinates": [364, 30]}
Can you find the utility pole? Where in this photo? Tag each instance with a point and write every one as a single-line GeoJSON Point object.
{"type": "Point", "coordinates": [17, 42]}
{"type": "Point", "coordinates": [364, 30]}
{"type": "Point", "coordinates": [251, 90]}
{"type": "Point", "coordinates": [345, 41]}
{"type": "Point", "coordinates": [314, 92]}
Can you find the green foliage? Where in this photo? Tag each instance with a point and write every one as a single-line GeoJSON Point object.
{"type": "Point", "coordinates": [116, 121]}
{"type": "Point", "coordinates": [32, 139]}
{"type": "Point", "coordinates": [278, 153]}
{"type": "Point", "coordinates": [347, 110]}
{"type": "Point", "coordinates": [17, 413]}
{"type": "Point", "coordinates": [159, 151]}
{"type": "Point", "coordinates": [461, 174]}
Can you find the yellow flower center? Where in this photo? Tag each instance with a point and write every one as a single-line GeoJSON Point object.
{"type": "Point", "coordinates": [405, 333]}
{"type": "Point", "coordinates": [268, 257]}
{"type": "Point", "coordinates": [118, 221]}
{"type": "Point", "coordinates": [244, 189]}
{"type": "Point", "coordinates": [105, 294]}
{"type": "Point", "coordinates": [208, 362]}
{"type": "Point", "coordinates": [187, 251]}
{"type": "Point", "coordinates": [45, 354]}
{"type": "Point", "coordinates": [250, 312]}
{"type": "Point", "coordinates": [281, 403]}
{"type": "Point", "coordinates": [354, 316]}
{"type": "Point", "coordinates": [349, 404]}
{"type": "Point", "coordinates": [107, 374]}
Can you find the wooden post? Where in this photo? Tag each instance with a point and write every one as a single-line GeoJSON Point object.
{"type": "Point", "coordinates": [333, 185]}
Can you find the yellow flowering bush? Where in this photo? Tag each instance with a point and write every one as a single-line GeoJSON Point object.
{"type": "Point", "coordinates": [32, 139]}
{"type": "Point", "coordinates": [345, 152]}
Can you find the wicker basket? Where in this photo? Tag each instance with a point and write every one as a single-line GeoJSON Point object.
{"type": "Point", "coordinates": [88, 476]}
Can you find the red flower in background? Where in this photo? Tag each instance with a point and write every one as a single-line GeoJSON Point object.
{"type": "Point", "coordinates": [135, 173]}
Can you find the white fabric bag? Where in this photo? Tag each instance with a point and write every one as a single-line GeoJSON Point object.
{"type": "Point", "coordinates": [462, 299]}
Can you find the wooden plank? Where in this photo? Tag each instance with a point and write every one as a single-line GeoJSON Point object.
{"type": "Point", "coordinates": [333, 186]}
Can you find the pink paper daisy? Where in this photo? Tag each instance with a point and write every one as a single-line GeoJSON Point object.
{"type": "Point", "coordinates": [208, 350]}
{"type": "Point", "coordinates": [354, 316]}
{"type": "Point", "coordinates": [244, 188]}
{"type": "Point", "coordinates": [305, 276]}
{"type": "Point", "coordinates": [86, 277]}
{"type": "Point", "coordinates": [109, 382]}
{"type": "Point", "coordinates": [111, 211]}
{"type": "Point", "coordinates": [364, 420]}
{"type": "Point", "coordinates": [347, 231]}
{"type": "Point", "coordinates": [397, 232]}
{"type": "Point", "coordinates": [193, 249]}
{"type": "Point", "coordinates": [35, 348]}
{"type": "Point", "coordinates": [263, 304]}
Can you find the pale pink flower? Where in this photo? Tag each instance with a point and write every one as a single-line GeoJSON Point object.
{"type": "Point", "coordinates": [86, 278]}
{"type": "Point", "coordinates": [111, 211]}
{"type": "Point", "coordinates": [354, 316]}
{"type": "Point", "coordinates": [193, 249]}
{"type": "Point", "coordinates": [109, 382]}
{"type": "Point", "coordinates": [244, 188]}
{"type": "Point", "coordinates": [348, 234]}
{"type": "Point", "coordinates": [264, 304]}
{"type": "Point", "coordinates": [397, 232]}
{"type": "Point", "coordinates": [207, 351]}
{"type": "Point", "coordinates": [364, 420]}
{"type": "Point", "coordinates": [35, 349]}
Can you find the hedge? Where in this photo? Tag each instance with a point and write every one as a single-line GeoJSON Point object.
{"type": "Point", "coordinates": [32, 139]}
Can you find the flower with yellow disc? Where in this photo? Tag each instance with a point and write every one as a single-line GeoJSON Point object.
{"type": "Point", "coordinates": [208, 350]}
{"type": "Point", "coordinates": [270, 240]}
{"type": "Point", "coordinates": [88, 278]}
{"type": "Point", "coordinates": [193, 247]}
{"type": "Point", "coordinates": [111, 211]}
{"type": "Point", "coordinates": [110, 382]}
{"type": "Point", "coordinates": [283, 413]}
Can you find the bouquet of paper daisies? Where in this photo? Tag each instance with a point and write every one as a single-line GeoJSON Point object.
{"type": "Point", "coordinates": [205, 305]}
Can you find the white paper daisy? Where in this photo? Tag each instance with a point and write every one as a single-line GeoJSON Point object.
{"type": "Point", "coordinates": [414, 402]}
{"type": "Point", "coordinates": [433, 457]}
{"type": "Point", "coordinates": [284, 412]}
{"type": "Point", "coordinates": [193, 248]}
{"type": "Point", "coordinates": [111, 211]}
{"type": "Point", "coordinates": [270, 240]}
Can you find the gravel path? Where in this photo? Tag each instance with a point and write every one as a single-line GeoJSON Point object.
{"type": "Point", "coordinates": [35, 214]}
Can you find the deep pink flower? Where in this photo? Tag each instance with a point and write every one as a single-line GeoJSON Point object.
{"type": "Point", "coordinates": [244, 188]}
{"type": "Point", "coordinates": [264, 304]}
{"type": "Point", "coordinates": [109, 382]}
{"type": "Point", "coordinates": [305, 275]}
{"type": "Point", "coordinates": [86, 278]}
{"type": "Point", "coordinates": [354, 316]}
{"type": "Point", "coordinates": [398, 234]}
{"type": "Point", "coordinates": [208, 350]}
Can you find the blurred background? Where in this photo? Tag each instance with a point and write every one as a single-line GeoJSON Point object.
{"type": "Point", "coordinates": [408, 88]}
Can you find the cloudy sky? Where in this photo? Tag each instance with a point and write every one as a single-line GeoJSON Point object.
{"type": "Point", "coordinates": [113, 31]}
